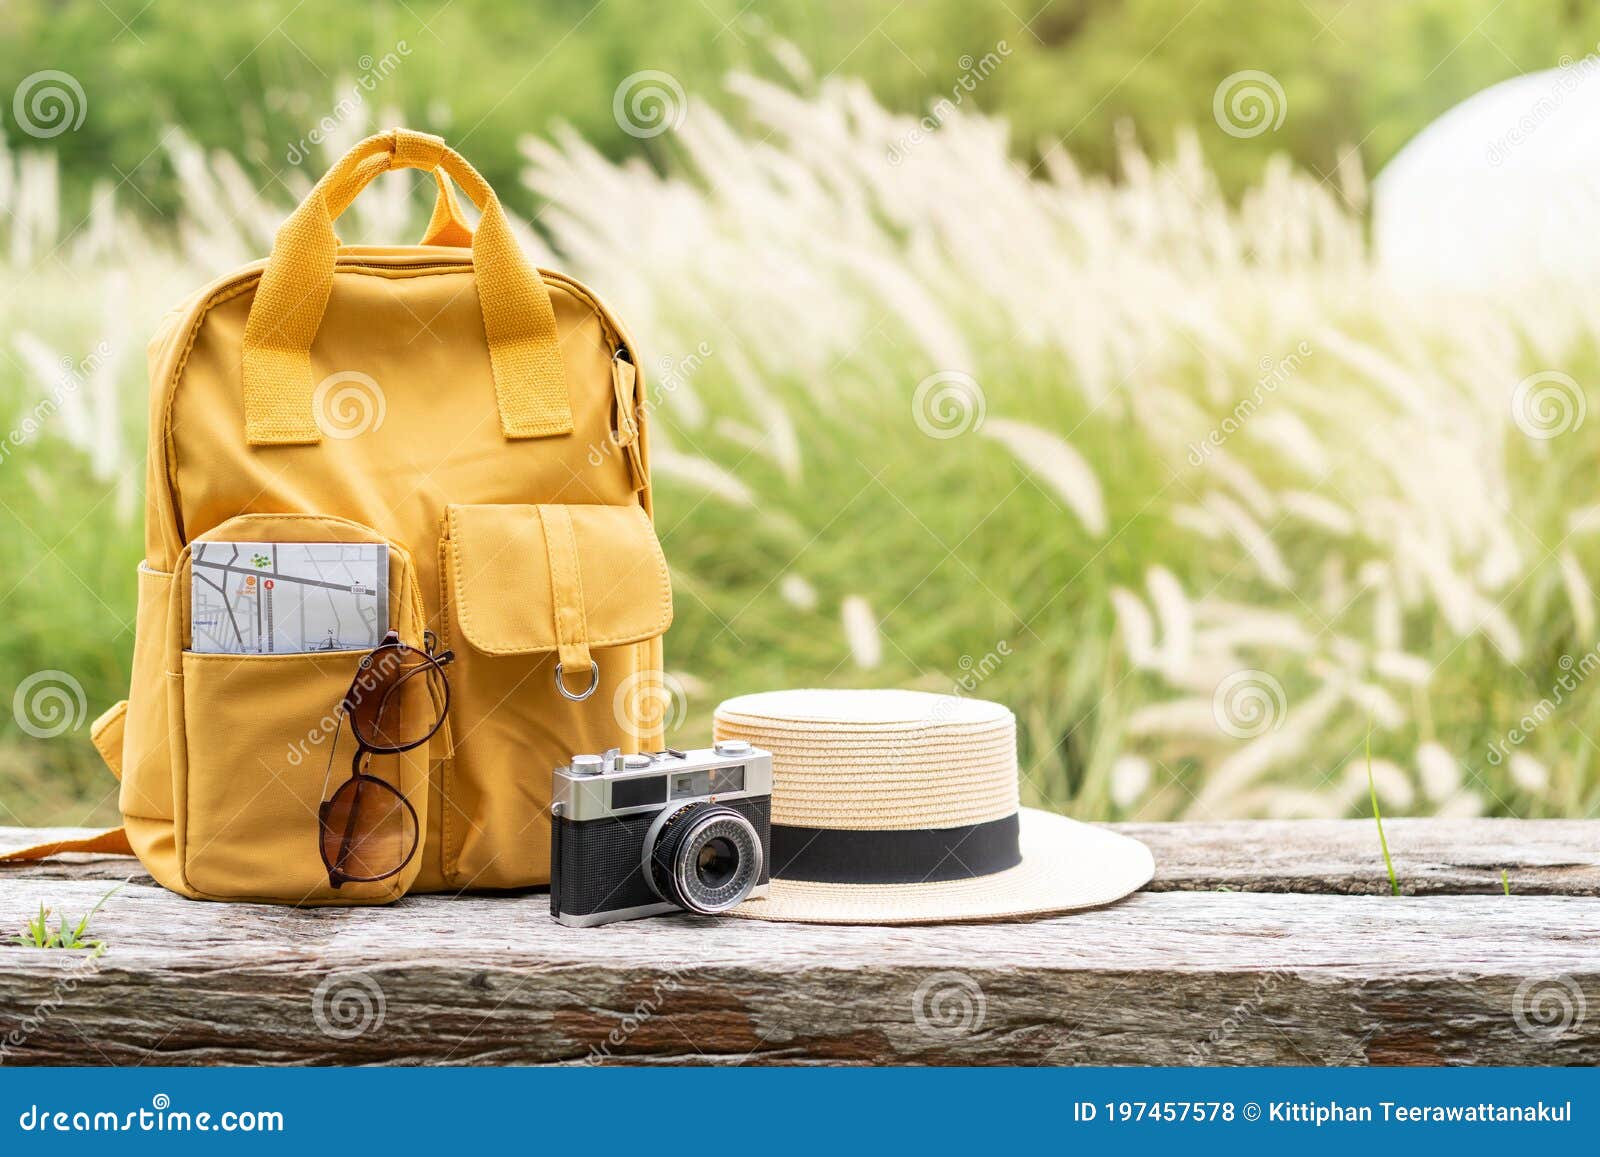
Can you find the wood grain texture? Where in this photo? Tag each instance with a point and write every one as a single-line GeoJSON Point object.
{"type": "Point", "coordinates": [1289, 971]}
{"type": "Point", "coordinates": [1431, 857]}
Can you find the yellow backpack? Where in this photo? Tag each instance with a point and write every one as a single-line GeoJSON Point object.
{"type": "Point", "coordinates": [485, 420]}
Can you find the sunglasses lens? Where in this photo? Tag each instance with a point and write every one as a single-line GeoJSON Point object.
{"type": "Point", "coordinates": [396, 699]}
{"type": "Point", "coordinates": [368, 831]}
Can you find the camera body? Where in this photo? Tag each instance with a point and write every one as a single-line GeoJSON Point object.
{"type": "Point", "coordinates": [667, 831]}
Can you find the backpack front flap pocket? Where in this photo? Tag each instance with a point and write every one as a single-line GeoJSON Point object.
{"type": "Point", "coordinates": [265, 742]}
{"type": "Point", "coordinates": [553, 612]}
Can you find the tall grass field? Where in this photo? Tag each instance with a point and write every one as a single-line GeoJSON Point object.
{"type": "Point", "coordinates": [1174, 476]}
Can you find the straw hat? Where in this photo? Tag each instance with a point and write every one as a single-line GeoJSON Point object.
{"type": "Point", "coordinates": [900, 807]}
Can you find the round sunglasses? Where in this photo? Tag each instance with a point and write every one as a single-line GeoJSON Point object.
{"type": "Point", "coordinates": [398, 700]}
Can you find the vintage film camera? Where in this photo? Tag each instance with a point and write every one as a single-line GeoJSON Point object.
{"type": "Point", "coordinates": [669, 831]}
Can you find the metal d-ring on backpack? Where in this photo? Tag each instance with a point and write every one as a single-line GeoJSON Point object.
{"type": "Point", "coordinates": [483, 387]}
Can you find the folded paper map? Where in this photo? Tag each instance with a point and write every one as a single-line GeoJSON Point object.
{"type": "Point", "coordinates": [257, 598]}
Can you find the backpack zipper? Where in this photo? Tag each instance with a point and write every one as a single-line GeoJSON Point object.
{"type": "Point", "coordinates": [615, 337]}
{"type": "Point", "coordinates": [199, 304]}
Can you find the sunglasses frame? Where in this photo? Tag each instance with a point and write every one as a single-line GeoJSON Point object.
{"type": "Point", "coordinates": [365, 750]}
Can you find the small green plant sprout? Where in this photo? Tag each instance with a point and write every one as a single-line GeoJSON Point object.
{"type": "Point", "coordinates": [1505, 882]}
{"type": "Point", "coordinates": [37, 933]}
{"type": "Point", "coordinates": [1372, 791]}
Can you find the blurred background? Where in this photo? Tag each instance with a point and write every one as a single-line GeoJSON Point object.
{"type": "Point", "coordinates": [1206, 382]}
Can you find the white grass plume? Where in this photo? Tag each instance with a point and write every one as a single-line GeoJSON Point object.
{"type": "Point", "coordinates": [797, 592]}
{"type": "Point", "coordinates": [1438, 771]}
{"type": "Point", "coordinates": [1057, 465]}
{"type": "Point", "coordinates": [861, 632]}
{"type": "Point", "coordinates": [700, 474]}
{"type": "Point", "coordinates": [1374, 533]}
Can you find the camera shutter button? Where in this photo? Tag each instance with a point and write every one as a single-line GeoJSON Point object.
{"type": "Point", "coordinates": [587, 765]}
{"type": "Point", "coordinates": [732, 747]}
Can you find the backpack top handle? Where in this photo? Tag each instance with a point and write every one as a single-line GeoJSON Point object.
{"type": "Point", "coordinates": [518, 318]}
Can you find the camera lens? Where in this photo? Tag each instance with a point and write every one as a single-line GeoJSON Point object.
{"type": "Point", "coordinates": [717, 863]}
{"type": "Point", "coordinates": [706, 858]}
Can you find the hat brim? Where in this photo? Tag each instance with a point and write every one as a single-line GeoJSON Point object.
{"type": "Point", "coordinates": [1066, 865]}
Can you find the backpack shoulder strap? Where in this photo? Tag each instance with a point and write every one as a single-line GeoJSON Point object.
{"type": "Point", "coordinates": [111, 842]}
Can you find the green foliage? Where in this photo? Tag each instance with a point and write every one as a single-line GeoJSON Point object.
{"type": "Point", "coordinates": [1128, 324]}
{"type": "Point", "coordinates": [37, 933]}
{"type": "Point", "coordinates": [66, 592]}
{"type": "Point", "coordinates": [1377, 818]}
{"type": "Point", "coordinates": [1364, 76]}
{"type": "Point", "coordinates": [256, 77]}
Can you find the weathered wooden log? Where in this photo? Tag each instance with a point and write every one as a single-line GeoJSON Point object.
{"type": "Point", "coordinates": [1432, 857]}
{"type": "Point", "coordinates": [1284, 967]}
